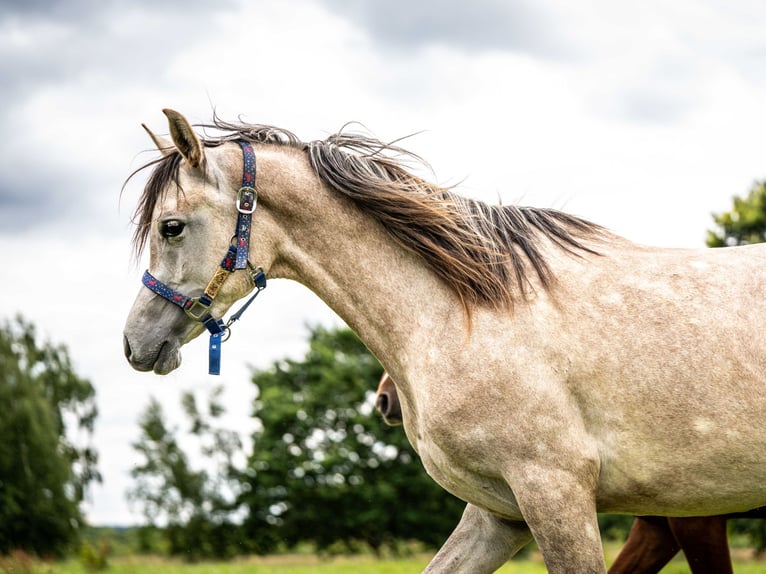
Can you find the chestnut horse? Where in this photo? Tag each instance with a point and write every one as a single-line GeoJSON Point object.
{"type": "Point", "coordinates": [652, 541]}
{"type": "Point", "coordinates": [589, 374]}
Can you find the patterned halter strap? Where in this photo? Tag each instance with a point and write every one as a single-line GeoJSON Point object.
{"type": "Point", "coordinates": [236, 258]}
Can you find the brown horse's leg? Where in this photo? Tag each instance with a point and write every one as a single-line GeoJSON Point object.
{"type": "Point", "coordinates": [650, 545]}
{"type": "Point", "coordinates": [704, 542]}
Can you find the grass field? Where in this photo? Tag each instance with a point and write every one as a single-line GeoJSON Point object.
{"type": "Point", "coordinates": [306, 564]}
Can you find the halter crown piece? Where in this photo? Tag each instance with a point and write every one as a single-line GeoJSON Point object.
{"type": "Point", "coordinates": [198, 308]}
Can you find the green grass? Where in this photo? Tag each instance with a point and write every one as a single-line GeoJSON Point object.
{"type": "Point", "coordinates": [307, 564]}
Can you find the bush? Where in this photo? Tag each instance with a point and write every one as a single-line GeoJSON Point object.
{"type": "Point", "coordinates": [17, 562]}
{"type": "Point", "coordinates": [94, 559]}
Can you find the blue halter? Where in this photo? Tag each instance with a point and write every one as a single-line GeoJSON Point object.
{"type": "Point", "coordinates": [198, 308]}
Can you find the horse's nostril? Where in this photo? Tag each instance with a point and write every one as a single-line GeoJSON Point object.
{"type": "Point", "coordinates": [383, 404]}
{"type": "Point", "coordinates": [126, 347]}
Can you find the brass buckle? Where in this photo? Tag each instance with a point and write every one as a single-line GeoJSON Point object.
{"type": "Point", "coordinates": [197, 310]}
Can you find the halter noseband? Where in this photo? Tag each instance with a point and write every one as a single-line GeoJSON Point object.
{"type": "Point", "coordinates": [198, 308]}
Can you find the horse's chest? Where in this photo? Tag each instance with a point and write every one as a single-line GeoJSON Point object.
{"type": "Point", "coordinates": [482, 487]}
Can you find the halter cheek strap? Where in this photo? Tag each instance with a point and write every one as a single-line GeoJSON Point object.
{"type": "Point", "coordinates": [236, 258]}
{"type": "Point", "coordinates": [247, 199]}
{"type": "Point", "coordinates": [198, 308]}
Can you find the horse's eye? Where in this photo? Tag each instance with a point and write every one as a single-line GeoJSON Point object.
{"type": "Point", "coordinates": [172, 228]}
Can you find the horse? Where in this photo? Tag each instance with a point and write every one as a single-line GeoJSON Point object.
{"type": "Point", "coordinates": [547, 368]}
{"type": "Point", "coordinates": [652, 540]}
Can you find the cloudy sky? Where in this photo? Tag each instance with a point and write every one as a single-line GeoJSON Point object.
{"type": "Point", "coordinates": [642, 116]}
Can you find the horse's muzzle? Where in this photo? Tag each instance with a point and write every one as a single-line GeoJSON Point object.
{"type": "Point", "coordinates": [162, 360]}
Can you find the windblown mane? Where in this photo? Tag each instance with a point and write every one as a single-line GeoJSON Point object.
{"type": "Point", "coordinates": [483, 252]}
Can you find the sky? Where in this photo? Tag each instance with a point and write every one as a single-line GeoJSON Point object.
{"type": "Point", "coordinates": [645, 117]}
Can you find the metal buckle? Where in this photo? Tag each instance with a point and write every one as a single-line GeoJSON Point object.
{"type": "Point", "coordinates": [193, 311]}
{"type": "Point", "coordinates": [245, 210]}
{"type": "Point", "coordinates": [257, 275]}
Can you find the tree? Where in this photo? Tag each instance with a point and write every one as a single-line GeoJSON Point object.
{"type": "Point", "coordinates": [193, 506]}
{"type": "Point", "coordinates": [325, 468]}
{"type": "Point", "coordinates": [745, 223]}
{"type": "Point", "coordinates": [43, 472]}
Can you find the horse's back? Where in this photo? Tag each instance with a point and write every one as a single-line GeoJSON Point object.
{"type": "Point", "coordinates": [671, 376]}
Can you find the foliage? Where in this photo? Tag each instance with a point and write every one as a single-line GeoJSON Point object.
{"type": "Point", "coordinates": [753, 528]}
{"type": "Point", "coordinates": [43, 472]}
{"type": "Point", "coordinates": [117, 540]}
{"type": "Point", "coordinates": [192, 506]}
{"type": "Point", "coordinates": [614, 526]}
{"type": "Point", "coordinates": [17, 562]}
{"type": "Point", "coordinates": [745, 223]}
{"type": "Point", "coordinates": [94, 558]}
{"type": "Point", "coordinates": [325, 468]}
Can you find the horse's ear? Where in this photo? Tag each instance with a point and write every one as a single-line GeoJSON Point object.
{"type": "Point", "coordinates": [163, 144]}
{"type": "Point", "coordinates": [184, 138]}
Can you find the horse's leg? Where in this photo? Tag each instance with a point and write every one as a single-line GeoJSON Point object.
{"type": "Point", "coordinates": [703, 540]}
{"type": "Point", "coordinates": [650, 545]}
{"type": "Point", "coordinates": [559, 507]}
{"type": "Point", "coordinates": [480, 544]}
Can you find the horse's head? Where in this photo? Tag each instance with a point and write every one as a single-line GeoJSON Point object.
{"type": "Point", "coordinates": [190, 217]}
{"type": "Point", "coordinates": [387, 401]}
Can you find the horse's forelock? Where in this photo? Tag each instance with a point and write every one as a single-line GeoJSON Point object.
{"type": "Point", "coordinates": [165, 173]}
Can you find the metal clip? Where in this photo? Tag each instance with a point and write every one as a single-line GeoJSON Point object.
{"type": "Point", "coordinates": [257, 275]}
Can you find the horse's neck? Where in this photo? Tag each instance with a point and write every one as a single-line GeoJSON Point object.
{"type": "Point", "coordinates": [382, 291]}
{"type": "Point", "coordinates": [385, 294]}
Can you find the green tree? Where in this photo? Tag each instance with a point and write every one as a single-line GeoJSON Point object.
{"type": "Point", "coordinates": [325, 468]}
{"type": "Point", "coordinates": [43, 472]}
{"type": "Point", "coordinates": [745, 223]}
{"type": "Point", "coordinates": [190, 507]}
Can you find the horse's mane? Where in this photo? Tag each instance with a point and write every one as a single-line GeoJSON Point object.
{"type": "Point", "coordinates": [483, 252]}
